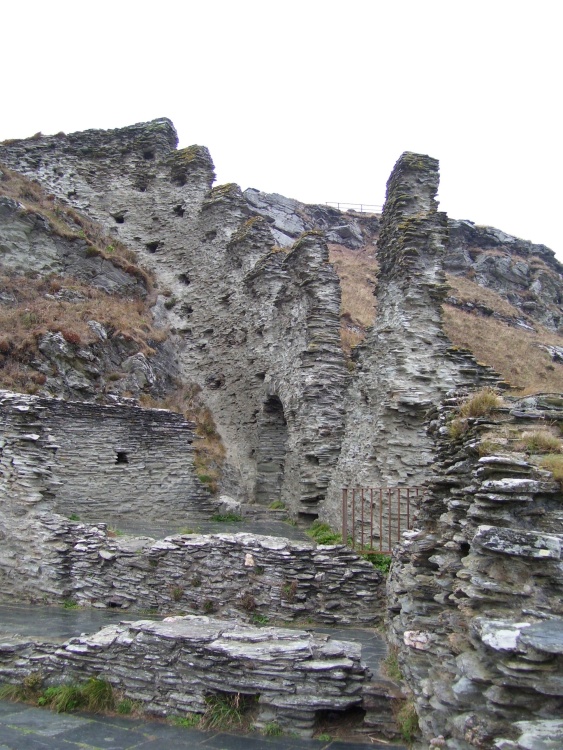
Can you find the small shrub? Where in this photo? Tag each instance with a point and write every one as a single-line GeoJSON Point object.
{"type": "Point", "coordinates": [225, 711]}
{"type": "Point", "coordinates": [480, 404]}
{"type": "Point", "coordinates": [98, 695]}
{"type": "Point", "coordinates": [272, 729]}
{"type": "Point", "coordinates": [277, 505]}
{"type": "Point", "coordinates": [248, 602]}
{"type": "Point", "coordinates": [71, 337]}
{"type": "Point", "coordinates": [32, 683]}
{"type": "Point", "coordinates": [196, 582]}
{"type": "Point", "coordinates": [70, 604]}
{"type": "Point", "coordinates": [62, 698]}
{"type": "Point", "coordinates": [540, 442]}
{"type": "Point", "coordinates": [208, 606]}
{"type": "Point", "coordinates": [177, 593]}
{"type": "Point", "coordinates": [187, 530]}
{"type": "Point", "coordinates": [323, 534]}
{"type": "Point", "coordinates": [554, 464]}
{"type": "Point", "coordinates": [289, 591]}
{"type": "Point", "coordinates": [74, 517]}
{"type": "Point", "coordinates": [456, 428]}
{"type": "Point", "coordinates": [378, 560]}
{"type": "Point", "coordinates": [324, 737]}
{"type": "Point", "coordinates": [125, 707]}
{"type": "Point", "coordinates": [407, 721]}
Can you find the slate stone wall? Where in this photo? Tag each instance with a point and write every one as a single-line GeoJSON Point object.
{"type": "Point", "coordinates": [248, 323]}
{"type": "Point", "coordinates": [235, 575]}
{"type": "Point", "coordinates": [475, 593]}
{"type": "Point", "coordinates": [101, 463]}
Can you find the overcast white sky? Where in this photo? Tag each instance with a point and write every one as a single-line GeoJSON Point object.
{"type": "Point", "coordinates": [313, 99]}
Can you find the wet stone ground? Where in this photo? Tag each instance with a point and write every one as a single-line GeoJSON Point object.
{"type": "Point", "coordinates": [25, 728]}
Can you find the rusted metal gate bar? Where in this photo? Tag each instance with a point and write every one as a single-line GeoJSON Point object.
{"type": "Point", "coordinates": [373, 518]}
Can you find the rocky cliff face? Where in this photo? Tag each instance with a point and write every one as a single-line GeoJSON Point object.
{"type": "Point", "coordinates": [254, 320]}
{"type": "Point", "coordinates": [527, 275]}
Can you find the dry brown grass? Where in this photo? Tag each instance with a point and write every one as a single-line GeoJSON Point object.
{"type": "Point", "coordinates": [357, 270]}
{"type": "Point", "coordinates": [33, 313]}
{"type": "Point", "coordinates": [513, 352]}
{"type": "Point", "coordinates": [466, 290]}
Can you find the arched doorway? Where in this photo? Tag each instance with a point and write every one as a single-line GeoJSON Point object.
{"type": "Point", "coordinates": [270, 452]}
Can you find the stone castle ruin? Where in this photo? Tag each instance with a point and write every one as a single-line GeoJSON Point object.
{"type": "Point", "coordinates": [251, 309]}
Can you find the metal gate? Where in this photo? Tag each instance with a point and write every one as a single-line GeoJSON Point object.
{"type": "Point", "coordinates": [373, 518]}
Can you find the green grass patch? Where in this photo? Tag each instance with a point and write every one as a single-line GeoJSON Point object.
{"type": "Point", "coordinates": [378, 560]}
{"type": "Point", "coordinates": [225, 711]}
{"type": "Point", "coordinates": [323, 534]}
{"type": "Point", "coordinates": [226, 517]}
{"type": "Point", "coordinates": [407, 721]}
{"type": "Point", "coordinates": [277, 505]}
{"type": "Point", "coordinates": [189, 721]}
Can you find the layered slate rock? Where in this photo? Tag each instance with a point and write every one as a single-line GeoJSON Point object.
{"type": "Point", "coordinates": [250, 325]}
{"type": "Point", "coordinates": [528, 275]}
{"type": "Point", "coordinates": [172, 667]}
{"type": "Point", "coordinates": [475, 592]}
{"type": "Point", "coordinates": [406, 364]}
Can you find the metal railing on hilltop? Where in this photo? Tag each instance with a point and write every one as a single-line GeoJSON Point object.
{"type": "Point", "coordinates": [361, 208]}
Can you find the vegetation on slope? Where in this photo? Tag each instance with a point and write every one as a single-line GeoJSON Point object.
{"type": "Point", "coordinates": [357, 270]}
{"type": "Point", "coordinates": [515, 353]}
{"type": "Point", "coordinates": [490, 331]}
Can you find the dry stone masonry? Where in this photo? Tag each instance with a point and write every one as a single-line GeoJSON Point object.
{"type": "Point", "coordinates": [171, 667]}
{"type": "Point", "coordinates": [475, 593]}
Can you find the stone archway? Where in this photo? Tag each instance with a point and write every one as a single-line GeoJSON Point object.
{"type": "Point", "coordinates": [271, 451]}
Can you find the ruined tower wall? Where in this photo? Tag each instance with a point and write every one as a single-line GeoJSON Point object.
{"type": "Point", "coordinates": [249, 324]}
{"type": "Point", "coordinates": [406, 363]}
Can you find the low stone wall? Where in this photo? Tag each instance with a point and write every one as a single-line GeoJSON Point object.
{"type": "Point", "coordinates": [475, 593]}
{"type": "Point", "coordinates": [235, 575]}
{"type": "Point", "coordinates": [99, 462]}
{"type": "Point", "coordinates": [172, 666]}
